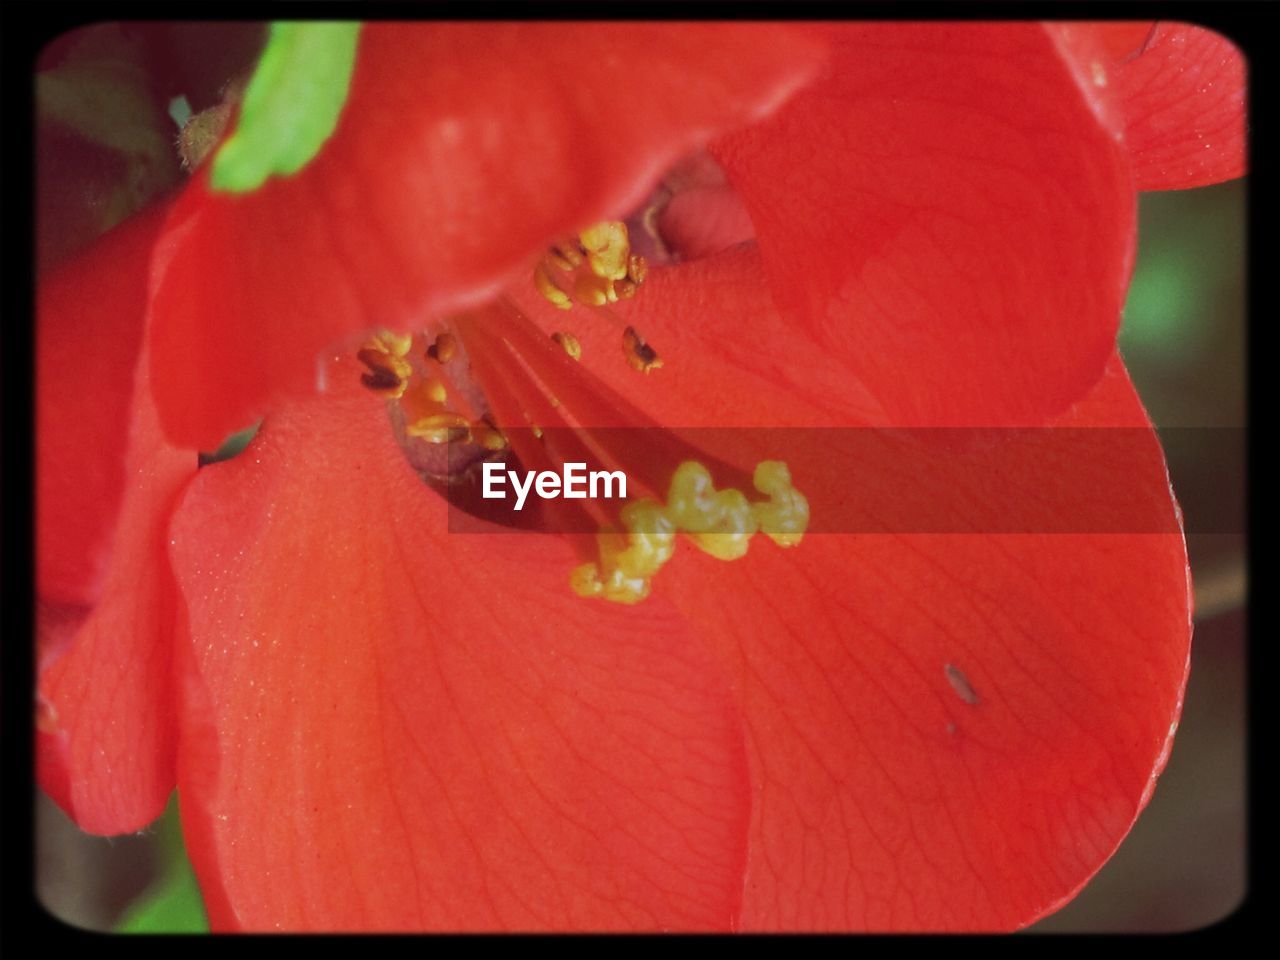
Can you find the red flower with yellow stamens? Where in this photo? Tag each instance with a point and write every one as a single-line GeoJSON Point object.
{"type": "Point", "coordinates": [657, 248]}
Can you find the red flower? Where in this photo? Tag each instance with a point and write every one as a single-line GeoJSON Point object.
{"type": "Point", "coordinates": [375, 723]}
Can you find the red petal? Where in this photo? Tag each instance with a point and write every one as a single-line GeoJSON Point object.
{"type": "Point", "coordinates": [1183, 100]}
{"type": "Point", "coordinates": [106, 480]}
{"type": "Point", "coordinates": [729, 358]}
{"type": "Point", "coordinates": [755, 390]}
{"type": "Point", "coordinates": [464, 148]}
{"type": "Point", "coordinates": [948, 732]}
{"type": "Point", "coordinates": [1119, 40]}
{"type": "Point", "coordinates": [948, 217]}
{"type": "Point", "coordinates": [411, 729]}
{"type": "Point", "coordinates": [88, 334]}
{"type": "Point", "coordinates": [107, 722]}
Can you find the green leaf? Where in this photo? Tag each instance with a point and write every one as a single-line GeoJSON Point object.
{"type": "Point", "coordinates": [291, 106]}
{"type": "Point", "coordinates": [172, 904]}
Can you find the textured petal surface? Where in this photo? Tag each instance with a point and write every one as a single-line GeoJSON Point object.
{"type": "Point", "coordinates": [947, 732]}
{"type": "Point", "coordinates": [738, 383]}
{"type": "Point", "coordinates": [106, 480]}
{"type": "Point", "coordinates": [463, 149]}
{"type": "Point", "coordinates": [1183, 100]}
{"type": "Point", "coordinates": [730, 358]}
{"type": "Point", "coordinates": [400, 728]}
{"type": "Point", "coordinates": [946, 201]}
{"type": "Point", "coordinates": [106, 719]}
{"type": "Point", "coordinates": [88, 335]}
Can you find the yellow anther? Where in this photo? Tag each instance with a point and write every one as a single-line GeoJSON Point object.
{"type": "Point", "coordinates": [689, 495]}
{"type": "Point", "coordinates": [620, 588]}
{"type": "Point", "coordinates": [785, 517]}
{"type": "Point", "coordinates": [608, 249]}
{"type": "Point", "coordinates": [592, 290]}
{"type": "Point", "coordinates": [566, 256]}
{"type": "Point", "coordinates": [388, 374]}
{"type": "Point", "coordinates": [569, 343]}
{"type": "Point", "coordinates": [436, 391]}
{"type": "Point", "coordinates": [727, 529]}
{"type": "Point", "coordinates": [771, 477]}
{"type": "Point", "coordinates": [440, 428]}
{"type": "Point", "coordinates": [639, 354]}
{"type": "Point", "coordinates": [420, 400]}
{"type": "Point", "coordinates": [547, 287]}
{"type": "Point", "coordinates": [585, 580]}
{"type": "Point", "coordinates": [601, 266]}
{"type": "Point", "coordinates": [611, 544]}
{"type": "Point", "coordinates": [720, 522]}
{"type": "Point", "coordinates": [397, 344]}
{"type": "Point", "coordinates": [651, 539]}
{"type": "Point", "coordinates": [487, 436]}
{"type": "Point", "coordinates": [637, 269]}
{"type": "Point", "coordinates": [443, 349]}
{"type": "Point", "coordinates": [628, 561]}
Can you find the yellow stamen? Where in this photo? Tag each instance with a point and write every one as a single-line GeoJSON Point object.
{"type": "Point", "coordinates": [487, 436]}
{"type": "Point", "coordinates": [720, 522]}
{"type": "Point", "coordinates": [396, 344]}
{"type": "Point", "coordinates": [566, 256]}
{"type": "Point", "coordinates": [601, 265]}
{"type": "Point", "coordinates": [384, 354]}
{"type": "Point", "coordinates": [639, 354]}
{"type": "Point", "coordinates": [637, 269]}
{"type": "Point", "coordinates": [786, 516]}
{"type": "Point", "coordinates": [440, 428]}
{"type": "Point", "coordinates": [608, 249]}
{"type": "Point", "coordinates": [420, 400]}
{"type": "Point", "coordinates": [548, 288]}
{"type": "Point", "coordinates": [593, 291]}
{"type": "Point", "coordinates": [628, 562]}
{"type": "Point", "coordinates": [436, 391]}
{"type": "Point", "coordinates": [569, 343]}
{"type": "Point", "coordinates": [443, 349]}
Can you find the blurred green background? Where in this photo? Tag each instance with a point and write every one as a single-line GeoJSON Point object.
{"type": "Point", "coordinates": [1182, 867]}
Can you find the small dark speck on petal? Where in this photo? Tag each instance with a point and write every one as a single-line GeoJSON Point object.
{"type": "Point", "coordinates": [960, 684]}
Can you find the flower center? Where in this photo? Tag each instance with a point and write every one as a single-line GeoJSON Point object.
{"type": "Point", "coordinates": [488, 384]}
{"type": "Point", "coordinates": [596, 267]}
